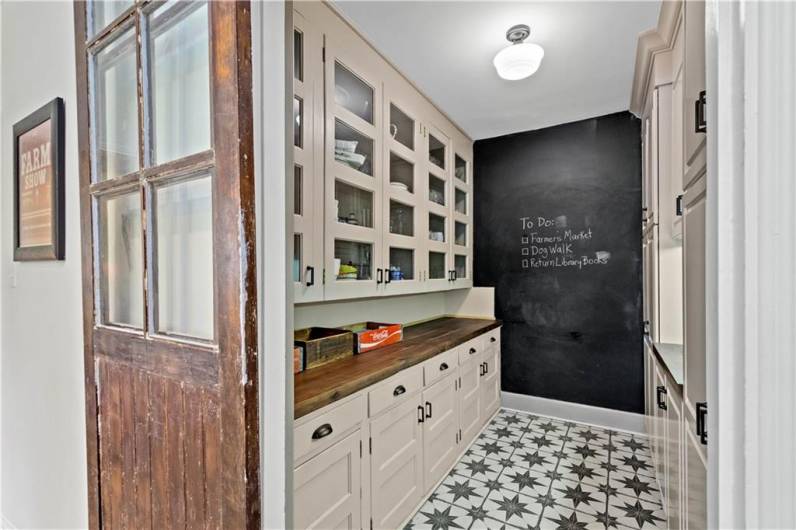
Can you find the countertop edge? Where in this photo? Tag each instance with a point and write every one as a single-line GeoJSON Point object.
{"type": "Point", "coordinates": [663, 363]}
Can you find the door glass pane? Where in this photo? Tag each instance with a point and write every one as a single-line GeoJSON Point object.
{"type": "Point", "coordinates": [401, 219]}
{"type": "Point", "coordinates": [436, 151]}
{"type": "Point", "coordinates": [298, 55]}
{"type": "Point", "coordinates": [115, 111]}
{"type": "Point", "coordinates": [353, 148]}
{"type": "Point", "coordinates": [460, 237]}
{"type": "Point", "coordinates": [402, 127]}
{"type": "Point", "coordinates": [353, 93]}
{"type": "Point", "coordinates": [402, 264]}
{"type": "Point", "coordinates": [402, 174]}
{"type": "Point", "coordinates": [184, 257]}
{"type": "Point", "coordinates": [460, 265]}
{"type": "Point", "coordinates": [436, 189]}
{"type": "Point", "coordinates": [180, 80]}
{"type": "Point", "coordinates": [298, 187]}
{"type": "Point", "coordinates": [461, 201]}
{"type": "Point", "coordinates": [298, 118]}
{"type": "Point", "coordinates": [460, 169]}
{"type": "Point", "coordinates": [436, 228]}
{"type": "Point", "coordinates": [354, 205]}
{"type": "Point", "coordinates": [121, 260]}
{"type": "Point", "coordinates": [297, 251]}
{"type": "Point", "coordinates": [436, 265]}
{"type": "Point", "coordinates": [352, 260]}
{"type": "Point", "coordinates": [105, 12]}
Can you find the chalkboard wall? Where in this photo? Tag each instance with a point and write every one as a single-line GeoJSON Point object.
{"type": "Point", "coordinates": [557, 233]}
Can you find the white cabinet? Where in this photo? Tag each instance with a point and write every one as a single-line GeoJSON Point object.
{"type": "Point", "coordinates": [490, 382]}
{"type": "Point", "coordinates": [440, 428]}
{"type": "Point", "coordinates": [694, 80]}
{"type": "Point", "coordinates": [470, 414]}
{"type": "Point", "coordinates": [695, 485]}
{"type": "Point", "coordinates": [327, 487]}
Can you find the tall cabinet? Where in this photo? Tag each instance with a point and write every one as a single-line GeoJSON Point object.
{"type": "Point", "coordinates": [383, 180]}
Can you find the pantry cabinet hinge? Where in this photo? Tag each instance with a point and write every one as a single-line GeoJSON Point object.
{"type": "Point", "coordinates": [370, 446]}
{"type": "Point", "coordinates": [371, 523]}
{"type": "Point", "coordinates": [360, 449]}
{"type": "Point", "coordinates": [323, 54]}
{"type": "Point", "coordinates": [323, 279]}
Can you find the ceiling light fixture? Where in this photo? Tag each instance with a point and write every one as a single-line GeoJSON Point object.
{"type": "Point", "coordinates": [521, 59]}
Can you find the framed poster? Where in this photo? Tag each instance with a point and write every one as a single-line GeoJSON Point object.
{"type": "Point", "coordinates": [39, 184]}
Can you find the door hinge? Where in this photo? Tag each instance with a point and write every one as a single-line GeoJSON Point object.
{"type": "Point", "coordinates": [324, 277]}
{"type": "Point", "coordinates": [360, 449]}
{"type": "Point", "coordinates": [371, 523]}
{"type": "Point", "coordinates": [323, 54]}
{"type": "Point", "coordinates": [370, 446]}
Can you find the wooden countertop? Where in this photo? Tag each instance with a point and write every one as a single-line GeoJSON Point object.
{"type": "Point", "coordinates": [317, 387]}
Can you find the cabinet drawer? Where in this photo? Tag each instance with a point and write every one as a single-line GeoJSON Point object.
{"type": "Point", "coordinates": [395, 389]}
{"type": "Point", "coordinates": [492, 338]}
{"type": "Point", "coordinates": [471, 350]}
{"type": "Point", "coordinates": [440, 366]}
{"type": "Point", "coordinates": [323, 431]}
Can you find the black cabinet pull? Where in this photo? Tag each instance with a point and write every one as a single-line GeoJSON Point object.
{"type": "Point", "coordinates": [472, 351]}
{"type": "Point", "coordinates": [428, 409]}
{"type": "Point", "coordinates": [492, 339]}
{"type": "Point", "coordinates": [322, 432]}
{"type": "Point", "coordinates": [660, 391]}
{"type": "Point", "coordinates": [481, 369]}
{"type": "Point", "coordinates": [311, 270]}
{"type": "Point", "coordinates": [443, 367]}
{"type": "Point", "coordinates": [678, 206]}
{"type": "Point", "coordinates": [387, 276]}
{"type": "Point", "coordinates": [379, 276]}
{"type": "Point", "coordinates": [455, 276]}
{"type": "Point", "coordinates": [420, 414]}
{"type": "Point", "coordinates": [486, 368]}
{"type": "Point", "coordinates": [700, 120]}
{"type": "Point", "coordinates": [701, 422]}
{"type": "Point", "coordinates": [400, 389]}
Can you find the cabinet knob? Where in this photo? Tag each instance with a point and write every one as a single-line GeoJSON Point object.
{"type": "Point", "coordinates": [472, 351]}
{"type": "Point", "coordinates": [443, 367]}
{"type": "Point", "coordinates": [492, 339]}
{"type": "Point", "coordinates": [322, 432]}
{"type": "Point", "coordinates": [400, 389]}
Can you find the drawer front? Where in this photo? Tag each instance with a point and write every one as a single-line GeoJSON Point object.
{"type": "Point", "coordinates": [440, 366]}
{"type": "Point", "coordinates": [492, 339]}
{"type": "Point", "coordinates": [395, 390]}
{"type": "Point", "coordinates": [471, 350]}
{"type": "Point", "coordinates": [324, 430]}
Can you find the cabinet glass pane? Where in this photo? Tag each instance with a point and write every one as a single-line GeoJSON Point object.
{"type": "Point", "coordinates": [436, 265]}
{"type": "Point", "coordinates": [401, 219]}
{"type": "Point", "coordinates": [184, 257]}
{"type": "Point", "coordinates": [461, 201]}
{"type": "Point", "coordinates": [298, 119]}
{"type": "Point", "coordinates": [402, 264]}
{"type": "Point", "coordinates": [460, 169]}
{"type": "Point", "coordinates": [460, 236]}
{"type": "Point", "coordinates": [460, 265]}
{"type": "Point", "coordinates": [352, 260]}
{"type": "Point", "coordinates": [353, 93]}
{"type": "Point", "coordinates": [105, 12]}
{"type": "Point", "coordinates": [298, 189]}
{"type": "Point", "coordinates": [180, 79]}
{"type": "Point", "coordinates": [297, 252]}
{"type": "Point", "coordinates": [436, 228]}
{"type": "Point", "coordinates": [121, 260]}
{"type": "Point", "coordinates": [353, 148]}
{"type": "Point", "coordinates": [436, 151]}
{"type": "Point", "coordinates": [402, 127]}
{"type": "Point", "coordinates": [114, 111]}
{"type": "Point", "coordinates": [402, 174]}
{"type": "Point", "coordinates": [436, 189]}
{"type": "Point", "coordinates": [298, 55]}
{"type": "Point", "coordinates": [354, 205]}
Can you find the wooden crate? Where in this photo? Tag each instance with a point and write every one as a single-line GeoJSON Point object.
{"type": "Point", "coordinates": [323, 345]}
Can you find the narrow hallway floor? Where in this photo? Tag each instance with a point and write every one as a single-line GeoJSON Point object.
{"type": "Point", "coordinates": [535, 472]}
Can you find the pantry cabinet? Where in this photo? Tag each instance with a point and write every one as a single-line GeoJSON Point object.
{"type": "Point", "coordinates": [440, 428]}
{"type": "Point", "coordinates": [387, 208]}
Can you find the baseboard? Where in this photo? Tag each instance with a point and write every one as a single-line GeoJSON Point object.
{"type": "Point", "coordinates": [597, 416]}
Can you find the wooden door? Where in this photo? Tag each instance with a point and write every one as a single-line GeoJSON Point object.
{"type": "Point", "coordinates": [440, 428]}
{"type": "Point", "coordinates": [396, 445]}
{"type": "Point", "coordinates": [470, 397]}
{"type": "Point", "coordinates": [169, 280]}
{"type": "Point", "coordinates": [490, 383]}
{"type": "Point", "coordinates": [327, 488]}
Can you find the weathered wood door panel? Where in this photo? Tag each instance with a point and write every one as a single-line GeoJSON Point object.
{"type": "Point", "coordinates": [169, 283]}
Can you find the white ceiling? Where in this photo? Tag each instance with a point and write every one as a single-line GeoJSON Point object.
{"type": "Point", "coordinates": [446, 49]}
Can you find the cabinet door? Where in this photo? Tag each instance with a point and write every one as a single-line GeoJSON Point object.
{"type": "Point", "coordinates": [649, 387]}
{"type": "Point", "coordinates": [436, 212]}
{"type": "Point", "coordinates": [674, 451]}
{"type": "Point", "coordinates": [308, 160]}
{"type": "Point", "coordinates": [694, 81]}
{"type": "Point", "coordinates": [462, 217]}
{"type": "Point", "coordinates": [695, 490]}
{"type": "Point", "coordinates": [396, 464]}
{"type": "Point", "coordinates": [490, 383]}
{"type": "Point", "coordinates": [650, 249]}
{"type": "Point", "coordinates": [470, 398]}
{"type": "Point", "coordinates": [659, 435]}
{"type": "Point", "coordinates": [353, 153]}
{"type": "Point", "coordinates": [327, 488]}
{"type": "Point", "coordinates": [440, 428]}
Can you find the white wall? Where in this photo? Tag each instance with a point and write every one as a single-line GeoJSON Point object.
{"type": "Point", "coordinates": [43, 414]}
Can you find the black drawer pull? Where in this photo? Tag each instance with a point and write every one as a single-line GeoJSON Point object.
{"type": "Point", "coordinates": [322, 432]}
{"type": "Point", "coordinates": [421, 417]}
{"type": "Point", "coordinates": [400, 389]}
{"type": "Point", "coordinates": [701, 417]}
{"type": "Point", "coordinates": [700, 117]}
{"type": "Point", "coordinates": [443, 367]}
{"type": "Point", "coordinates": [492, 339]}
{"type": "Point", "coordinates": [428, 409]}
{"type": "Point", "coordinates": [472, 351]}
{"type": "Point", "coordinates": [660, 392]}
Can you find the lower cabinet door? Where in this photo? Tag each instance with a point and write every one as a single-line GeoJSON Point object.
{"type": "Point", "coordinates": [659, 435]}
{"type": "Point", "coordinates": [695, 496]}
{"type": "Point", "coordinates": [470, 399]}
{"type": "Point", "coordinates": [396, 444]}
{"type": "Point", "coordinates": [440, 429]}
{"type": "Point", "coordinates": [327, 488]}
{"type": "Point", "coordinates": [490, 384]}
{"type": "Point", "coordinates": [674, 451]}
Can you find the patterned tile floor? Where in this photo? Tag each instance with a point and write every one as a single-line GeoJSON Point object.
{"type": "Point", "coordinates": [526, 471]}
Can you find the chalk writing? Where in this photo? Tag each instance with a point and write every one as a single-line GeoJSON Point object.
{"type": "Point", "coordinates": [551, 243]}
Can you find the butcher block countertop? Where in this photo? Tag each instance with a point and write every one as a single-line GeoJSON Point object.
{"type": "Point", "coordinates": [317, 387]}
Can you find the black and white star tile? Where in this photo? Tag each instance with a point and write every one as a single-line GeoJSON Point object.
{"type": "Point", "coordinates": [534, 472]}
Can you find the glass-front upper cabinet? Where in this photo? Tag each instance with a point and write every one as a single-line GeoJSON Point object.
{"type": "Point", "coordinates": [308, 177]}
{"type": "Point", "coordinates": [462, 216]}
{"type": "Point", "coordinates": [354, 210]}
{"type": "Point", "coordinates": [437, 203]}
